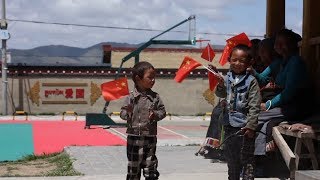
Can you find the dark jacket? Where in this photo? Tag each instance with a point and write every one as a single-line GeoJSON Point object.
{"type": "Point", "coordinates": [296, 93]}
{"type": "Point", "coordinates": [138, 121]}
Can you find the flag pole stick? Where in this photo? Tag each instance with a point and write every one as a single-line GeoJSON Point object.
{"type": "Point", "coordinates": [211, 70]}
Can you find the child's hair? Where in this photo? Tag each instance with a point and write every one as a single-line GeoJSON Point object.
{"type": "Point", "coordinates": [139, 69]}
{"type": "Point", "coordinates": [244, 48]}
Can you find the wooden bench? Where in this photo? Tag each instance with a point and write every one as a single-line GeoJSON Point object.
{"type": "Point", "coordinates": [114, 113]}
{"type": "Point", "coordinates": [75, 114]}
{"type": "Point", "coordinates": [19, 113]}
{"type": "Point", "coordinates": [302, 137]}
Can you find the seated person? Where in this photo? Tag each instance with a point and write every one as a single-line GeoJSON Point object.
{"type": "Point", "coordinates": [291, 79]}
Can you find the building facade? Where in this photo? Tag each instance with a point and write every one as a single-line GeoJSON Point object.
{"type": "Point", "coordinates": [56, 89]}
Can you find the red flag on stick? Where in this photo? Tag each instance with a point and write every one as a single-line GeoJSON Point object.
{"type": "Point", "coordinates": [213, 82]}
{"type": "Point", "coordinates": [225, 55]}
{"type": "Point", "coordinates": [188, 64]}
{"type": "Point", "coordinates": [115, 89]}
{"type": "Point", "coordinates": [208, 53]}
{"type": "Point", "coordinates": [241, 38]}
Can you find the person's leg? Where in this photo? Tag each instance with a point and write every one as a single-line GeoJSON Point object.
{"type": "Point", "coordinates": [247, 158]}
{"type": "Point", "coordinates": [272, 123]}
{"type": "Point", "coordinates": [150, 161]}
{"type": "Point", "coordinates": [270, 144]}
{"type": "Point", "coordinates": [213, 133]}
{"type": "Point", "coordinates": [134, 155]}
{"type": "Point", "coordinates": [232, 151]}
{"type": "Point", "coordinates": [214, 128]}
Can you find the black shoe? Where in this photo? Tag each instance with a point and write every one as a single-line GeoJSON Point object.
{"type": "Point", "coordinates": [214, 153]}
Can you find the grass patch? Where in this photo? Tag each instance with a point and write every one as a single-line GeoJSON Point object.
{"type": "Point", "coordinates": [35, 157]}
{"type": "Point", "coordinates": [64, 166]}
{"type": "Point", "coordinates": [57, 164]}
{"type": "Point", "coordinates": [194, 144]}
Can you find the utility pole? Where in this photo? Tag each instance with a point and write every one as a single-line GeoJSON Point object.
{"type": "Point", "coordinates": [4, 37]}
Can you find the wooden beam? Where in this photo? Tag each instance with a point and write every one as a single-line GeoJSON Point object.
{"type": "Point", "coordinates": [307, 175]}
{"type": "Point", "coordinates": [275, 16]}
{"type": "Point", "coordinates": [285, 150]}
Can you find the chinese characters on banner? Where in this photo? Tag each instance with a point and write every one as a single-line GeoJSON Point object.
{"type": "Point", "coordinates": [68, 93]}
{"type": "Point", "coordinates": [65, 93]}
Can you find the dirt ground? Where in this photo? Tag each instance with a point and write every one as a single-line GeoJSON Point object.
{"type": "Point", "coordinates": [37, 167]}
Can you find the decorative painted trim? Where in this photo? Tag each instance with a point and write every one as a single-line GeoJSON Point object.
{"type": "Point", "coordinates": [64, 102]}
{"type": "Point", "coordinates": [66, 84]}
{"type": "Point", "coordinates": [33, 94]}
{"type": "Point", "coordinates": [95, 93]}
{"type": "Point", "coordinates": [209, 96]}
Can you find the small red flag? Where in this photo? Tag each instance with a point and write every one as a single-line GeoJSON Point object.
{"type": "Point", "coordinates": [115, 89]}
{"type": "Point", "coordinates": [213, 82]}
{"type": "Point", "coordinates": [208, 53]}
{"type": "Point", "coordinates": [225, 55]}
{"type": "Point", "coordinates": [241, 38]}
{"type": "Point", "coordinates": [188, 64]}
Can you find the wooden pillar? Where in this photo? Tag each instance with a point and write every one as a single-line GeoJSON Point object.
{"type": "Point", "coordinates": [275, 16]}
{"type": "Point", "coordinates": [311, 41]}
{"type": "Point", "coordinates": [310, 29]}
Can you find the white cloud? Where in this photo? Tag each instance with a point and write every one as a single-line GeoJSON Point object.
{"type": "Point", "coordinates": [211, 16]}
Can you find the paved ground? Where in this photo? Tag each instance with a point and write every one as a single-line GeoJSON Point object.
{"type": "Point", "coordinates": [177, 143]}
{"type": "Point", "coordinates": [172, 160]}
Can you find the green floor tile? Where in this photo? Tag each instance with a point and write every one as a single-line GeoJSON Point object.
{"type": "Point", "coordinates": [16, 141]}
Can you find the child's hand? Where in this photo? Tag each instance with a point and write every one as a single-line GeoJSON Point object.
{"type": "Point", "coordinates": [224, 103]}
{"type": "Point", "coordinates": [219, 78]}
{"type": "Point", "coordinates": [248, 132]}
{"type": "Point", "coordinates": [250, 70]}
{"type": "Point", "coordinates": [217, 75]}
{"type": "Point", "coordinates": [213, 68]}
{"type": "Point", "coordinates": [151, 115]}
{"type": "Point", "coordinates": [129, 108]}
{"type": "Point", "coordinates": [263, 107]}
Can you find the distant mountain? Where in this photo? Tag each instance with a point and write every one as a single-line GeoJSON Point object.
{"type": "Point", "coordinates": [65, 55]}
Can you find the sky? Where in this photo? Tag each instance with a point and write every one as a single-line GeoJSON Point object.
{"type": "Point", "coordinates": [215, 20]}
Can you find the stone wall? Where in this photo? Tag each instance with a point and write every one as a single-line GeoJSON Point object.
{"type": "Point", "coordinates": [39, 95]}
{"type": "Point", "coordinates": [50, 89]}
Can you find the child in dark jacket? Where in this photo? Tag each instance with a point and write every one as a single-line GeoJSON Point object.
{"type": "Point", "coordinates": [242, 93]}
{"type": "Point", "coordinates": [142, 109]}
